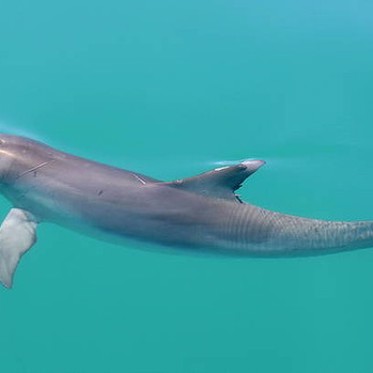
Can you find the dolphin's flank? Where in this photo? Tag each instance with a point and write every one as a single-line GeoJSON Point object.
{"type": "Point", "coordinates": [200, 213]}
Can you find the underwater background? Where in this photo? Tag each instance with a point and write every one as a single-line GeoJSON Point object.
{"type": "Point", "coordinates": [172, 89]}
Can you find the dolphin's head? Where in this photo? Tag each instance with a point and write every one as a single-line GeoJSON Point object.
{"type": "Point", "coordinates": [8, 155]}
{"type": "Point", "coordinates": [18, 155]}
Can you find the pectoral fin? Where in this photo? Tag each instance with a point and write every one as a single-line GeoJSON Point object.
{"type": "Point", "coordinates": [17, 235]}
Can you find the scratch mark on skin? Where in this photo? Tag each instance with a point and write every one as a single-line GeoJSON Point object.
{"type": "Point", "coordinates": [33, 169]}
{"type": "Point", "coordinates": [139, 179]}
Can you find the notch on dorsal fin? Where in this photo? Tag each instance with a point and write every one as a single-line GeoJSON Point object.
{"type": "Point", "coordinates": [221, 182]}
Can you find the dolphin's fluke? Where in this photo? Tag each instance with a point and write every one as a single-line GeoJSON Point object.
{"type": "Point", "coordinates": [220, 182]}
{"type": "Point", "coordinates": [17, 235]}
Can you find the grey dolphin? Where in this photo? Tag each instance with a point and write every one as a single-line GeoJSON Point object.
{"type": "Point", "coordinates": [200, 213]}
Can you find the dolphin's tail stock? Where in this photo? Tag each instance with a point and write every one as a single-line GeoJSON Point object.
{"type": "Point", "coordinates": [17, 235]}
{"type": "Point", "coordinates": [299, 236]}
{"type": "Point", "coordinates": [361, 235]}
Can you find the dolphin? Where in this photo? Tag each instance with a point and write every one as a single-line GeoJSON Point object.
{"type": "Point", "coordinates": [198, 214]}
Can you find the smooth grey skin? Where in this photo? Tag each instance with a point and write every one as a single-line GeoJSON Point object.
{"type": "Point", "coordinates": [199, 214]}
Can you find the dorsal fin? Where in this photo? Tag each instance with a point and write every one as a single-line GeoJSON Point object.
{"type": "Point", "coordinates": [221, 182]}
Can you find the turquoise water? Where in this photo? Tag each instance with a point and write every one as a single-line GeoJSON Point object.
{"type": "Point", "coordinates": [169, 89]}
